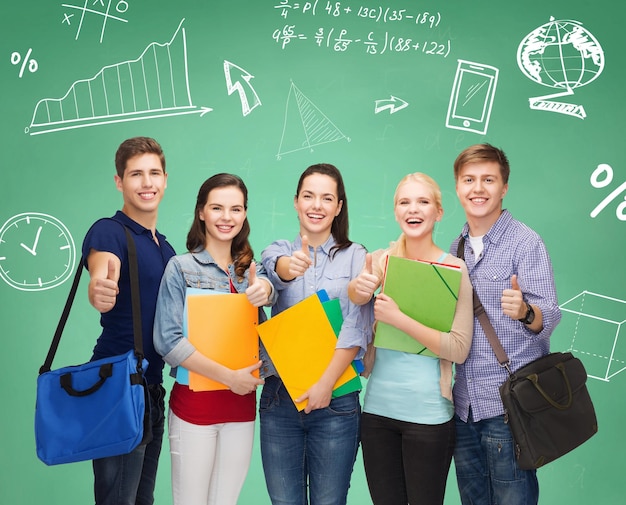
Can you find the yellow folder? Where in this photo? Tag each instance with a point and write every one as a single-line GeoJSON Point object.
{"type": "Point", "coordinates": [425, 291]}
{"type": "Point", "coordinates": [301, 343]}
{"type": "Point", "coordinates": [223, 327]}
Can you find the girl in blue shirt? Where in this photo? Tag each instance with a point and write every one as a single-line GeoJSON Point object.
{"type": "Point", "coordinates": [308, 456]}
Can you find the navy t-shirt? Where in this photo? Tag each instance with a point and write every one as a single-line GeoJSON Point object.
{"type": "Point", "coordinates": [117, 324]}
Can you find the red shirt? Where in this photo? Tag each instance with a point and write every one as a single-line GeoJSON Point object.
{"type": "Point", "coordinates": [212, 407]}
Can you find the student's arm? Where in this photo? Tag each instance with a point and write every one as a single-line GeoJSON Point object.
{"type": "Point", "coordinates": [290, 267]}
{"type": "Point", "coordinates": [362, 288]}
{"type": "Point", "coordinates": [239, 381]}
{"type": "Point", "coordinates": [353, 337]}
{"type": "Point", "coordinates": [320, 393]}
{"type": "Point", "coordinates": [104, 273]}
{"type": "Point", "coordinates": [260, 289]}
{"type": "Point", "coordinates": [455, 345]}
{"type": "Point", "coordinates": [514, 306]}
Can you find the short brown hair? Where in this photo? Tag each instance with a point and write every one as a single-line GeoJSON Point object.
{"type": "Point", "coordinates": [481, 153]}
{"type": "Point", "coordinates": [134, 147]}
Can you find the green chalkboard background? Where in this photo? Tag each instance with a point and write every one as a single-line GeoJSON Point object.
{"type": "Point", "coordinates": [365, 85]}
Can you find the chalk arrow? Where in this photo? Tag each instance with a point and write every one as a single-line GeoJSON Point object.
{"type": "Point", "coordinates": [394, 104]}
{"type": "Point", "coordinates": [241, 84]}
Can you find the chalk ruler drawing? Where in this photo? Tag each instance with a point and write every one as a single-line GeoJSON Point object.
{"type": "Point", "coordinates": [154, 85]}
{"type": "Point", "coordinates": [596, 323]}
{"type": "Point", "coordinates": [305, 126]}
{"type": "Point", "coordinates": [562, 55]}
{"type": "Point", "coordinates": [234, 76]}
{"type": "Point", "coordinates": [121, 6]}
{"type": "Point", "coordinates": [472, 97]}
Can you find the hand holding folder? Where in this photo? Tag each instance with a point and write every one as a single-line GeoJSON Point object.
{"type": "Point", "coordinates": [426, 292]}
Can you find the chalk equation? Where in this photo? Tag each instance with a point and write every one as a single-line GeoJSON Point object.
{"type": "Point", "coordinates": [378, 13]}
{"type": "Point", "coordinates": [120, 7]}
{"type": "Point", "coordinates": [601, 177]}
{"type": "Point", "coordinates": [340, 40]}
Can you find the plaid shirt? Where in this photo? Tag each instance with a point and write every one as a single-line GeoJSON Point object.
{"type": "Point", "coordinates": [510, 247]}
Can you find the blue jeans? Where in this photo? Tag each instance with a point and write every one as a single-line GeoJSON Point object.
{"type": "Point", "coordinates": [315, 451]}
{"type": "Point", "coordinates": [486, 468]}
{"type": "Point", "coordinates": [129, 479]}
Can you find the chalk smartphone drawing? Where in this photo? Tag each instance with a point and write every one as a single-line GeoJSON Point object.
{"type": "Point", "coordinates": [564, 56]}
{"type": "Point", "coordinates": [154, 85]}
{"type": "Point", "coordinates": [305, 126]}
{"type": "Point", "coordinates": [36, 252]}
{"type": "Point", "coordinates": [472, 97]}
{"type": "Point", "coordinates": [234, 76]}
{"type": "Point", "coordinates": [597, 327]}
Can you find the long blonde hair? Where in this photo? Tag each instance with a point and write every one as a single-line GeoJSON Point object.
{"type": "Point", "coordinates": [398, 247]}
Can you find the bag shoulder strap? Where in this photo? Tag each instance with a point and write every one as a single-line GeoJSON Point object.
{"type": "Point", "coordinates": [135, 300]}
{"type": "Point", "coordinates": [483, 318]}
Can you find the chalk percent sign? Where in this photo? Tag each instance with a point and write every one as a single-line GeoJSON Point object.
{"type": "Point", "coordinates": [602, 177]}
{"type": "Point", "coordinates": [27, 60]}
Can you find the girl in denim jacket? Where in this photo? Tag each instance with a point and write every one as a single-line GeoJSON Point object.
{"type": "Point", "coordinates": [210, 432]}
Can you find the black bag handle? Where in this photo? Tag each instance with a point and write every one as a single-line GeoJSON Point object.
{"type": "Point", "coordinates": [106, 371]}
{"type": "Point", "coordinates": [136, 306]}
{"type": "Point", "coordinates": [534, 378]}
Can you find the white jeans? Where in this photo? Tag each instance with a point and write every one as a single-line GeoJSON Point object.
{"type": "Point", "coordinates": [209, 463]}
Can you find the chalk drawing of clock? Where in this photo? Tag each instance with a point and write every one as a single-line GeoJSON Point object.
{"type": "Point", "coordinates": [36, 252]}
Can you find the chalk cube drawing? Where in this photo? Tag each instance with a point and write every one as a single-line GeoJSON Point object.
{"type": "Point", "coordinates": [596, 324]}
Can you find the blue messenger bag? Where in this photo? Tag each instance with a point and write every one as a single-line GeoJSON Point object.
{"type": "Point", "coordinates": [97, 409]}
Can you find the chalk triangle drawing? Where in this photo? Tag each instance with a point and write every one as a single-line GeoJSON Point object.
{"type": "Point", "coordinates": [305, 125]}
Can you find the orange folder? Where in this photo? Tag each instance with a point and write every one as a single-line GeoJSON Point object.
{"type": "Point", "coordinates": [301, 343]}
{"type": "Point", "coordinates": [223, 327]}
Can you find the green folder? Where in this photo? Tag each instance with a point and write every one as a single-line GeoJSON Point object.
{"type": "Point", "coordinates": [332, 308]}
{"type": "Point", "coordinates": [426, 292]}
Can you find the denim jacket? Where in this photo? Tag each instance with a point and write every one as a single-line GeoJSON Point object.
{"type": "Point", "coordinates": [194, 270]}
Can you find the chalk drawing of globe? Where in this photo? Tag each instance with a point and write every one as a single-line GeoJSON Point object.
{"type": "Point", "coordinates": [561, 54]}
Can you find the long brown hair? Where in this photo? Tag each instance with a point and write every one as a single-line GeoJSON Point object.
{"type": "Point", "coordinates": [240, 249]}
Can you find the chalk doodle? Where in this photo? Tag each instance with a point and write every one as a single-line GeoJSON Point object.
{"type": "Point", "coordinates": [305, 126]}
{"type": "Point", "coordinates": [562, 55]}
{"type": "Point", "coordinates": [121, 6]}
{"type": "Point", "coordinates": [154, 85]}
{"type": "Point", "coordinates": [472, 97]}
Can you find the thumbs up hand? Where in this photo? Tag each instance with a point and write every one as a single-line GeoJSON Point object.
{"type": "Point", "coordinates": [512, 301]}
{"type": "Point", "coordinates": [366, 282]}
{"type": "Point", "coordinates": [299, 261]}
{"type": "Point", "coordinates": [256, 292]}
{"type": "Point", "coordinates": [103, 291]}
